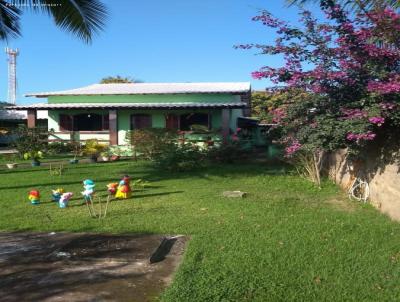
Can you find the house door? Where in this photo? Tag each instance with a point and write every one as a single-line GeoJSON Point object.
{"type": "Point", "coordinates": [140, 121]}
{"type": "Point", "coordinates": [172, 121]}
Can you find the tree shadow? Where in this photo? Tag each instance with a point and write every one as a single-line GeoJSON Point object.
{"type": "Point", "coordinates": [220, 170]}
{"type": "Point", "coordinates": [79, 267]}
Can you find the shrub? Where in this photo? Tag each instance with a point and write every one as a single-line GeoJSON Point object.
{"type": "Point", "coordinates": [30, 140]}
{"type": "Point", "coordinates": [33, 155]}
{"type": "Point", "coordinates": [148, 142]}
{"type": "Point", "coordinates": [59, 148]}
{"type": "Point", "coordinates": [93, 148]}
{"type": "Point", "coordinates": [179, 157]}
{"type": "Point", "coordinates": [226, 153]}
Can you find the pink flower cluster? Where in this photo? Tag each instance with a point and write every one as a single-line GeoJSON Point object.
{"type": "Point", "coordinates": [278, 114]}
{"type": "Point", "coordinates": [369, 136]}
{"type": "Point", "coordinates": [392, 86]}
{"type": "Point", "coordinates": [377, 120]}
{"type": "Point", "coordinates": [350, 114]}
{"type": "Point", "coordinates": [293, 148]}
{"type": "Point", "coordinates": [387, 106]}
{"type": "Point", "coordinates": [267, 19]}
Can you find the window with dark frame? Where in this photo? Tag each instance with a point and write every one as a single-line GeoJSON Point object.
{"type": "Point", "coordinates": [65, 121]}
{"type": "Point", "coordinates": [84, 122]}
{"type": "Point", "coordinates": [172, 121]}
{"type": "Point", "coordinates": [141, 121]}
{"type": "Point", "coordinates": [187, 120]}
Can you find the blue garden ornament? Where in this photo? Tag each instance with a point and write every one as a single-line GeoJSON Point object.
{"type": "Point", "coordinates": [88, 186]}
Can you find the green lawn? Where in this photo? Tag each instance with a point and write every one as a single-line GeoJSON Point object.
{"type": "Point", "coordinates": [287, 241]}
{"type": "Point", "coordinates": [5, 159]}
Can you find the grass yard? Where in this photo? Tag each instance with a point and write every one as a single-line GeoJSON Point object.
{"type": "Point", "coordinates": [286, 241]}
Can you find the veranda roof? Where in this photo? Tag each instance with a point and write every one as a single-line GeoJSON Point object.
{"type": "Point", "coordinates": [152, 88]}
{"type": "Point", "coordinates": [44, 106]}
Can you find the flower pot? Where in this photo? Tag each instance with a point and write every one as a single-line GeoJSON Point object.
{"type": "Point", "coordinates": [12, 166]}
{"type": "Point", "coordinates": [73, 161]}
{"type": "Point", "coordinates": [35, 163]}
{"type": "Point", "coordinates": [105, 158]}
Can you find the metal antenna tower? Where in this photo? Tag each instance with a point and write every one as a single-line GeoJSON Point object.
{"type": "Point", "coordinates": [12, 75]}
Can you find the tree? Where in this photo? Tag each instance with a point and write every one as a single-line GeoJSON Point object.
{"type": "Point", "coordinates": [83, 18]}
{"type": "Point", "coordinates": [265, 102]}
{"type": "Point", "coordinates": [353, 83]}
{"type": "Point", "coordinates": [356, 4]}
{"type": "Point", "coordinates": [119, 79]}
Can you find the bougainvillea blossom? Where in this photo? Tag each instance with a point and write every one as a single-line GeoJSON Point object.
{"type": "Point", "coordinates": [350, 67]}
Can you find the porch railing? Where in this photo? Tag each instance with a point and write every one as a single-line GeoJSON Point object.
{"type": "Point", "coordinates": [79, 136]}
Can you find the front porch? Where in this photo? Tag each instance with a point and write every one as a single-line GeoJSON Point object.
{"type": "Point", "coordinates": [110, 126]}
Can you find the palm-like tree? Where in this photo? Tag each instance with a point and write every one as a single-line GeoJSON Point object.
{"type": "Point", "coordinates": [357, 4]}
{"type": "Point", "coordinates": [83, 18]}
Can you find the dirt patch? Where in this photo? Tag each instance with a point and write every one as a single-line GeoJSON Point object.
{"type": "Point", "coordinates": [343, 204]}
{"type": "Point", "coordinates": [84, 267]}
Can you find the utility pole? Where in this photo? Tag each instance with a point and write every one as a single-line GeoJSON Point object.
{"type": "Point", "coordinates": [12, 75]}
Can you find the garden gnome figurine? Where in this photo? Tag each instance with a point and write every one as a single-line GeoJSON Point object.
{"type": "Point", "coordinates": [56, 194]}
{"type": "Point", "coordinates": [124, 189]}
{"type": "Point", "coordinates": [64, 200]}
{"type": "Point", "coordinates": [112, 188]}
{"type": "Point", "coordinates": [88, 186]}
{"type": "Point", "coordinates": [34, 197]}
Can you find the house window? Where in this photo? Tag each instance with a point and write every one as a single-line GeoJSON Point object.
{"type": "Point", "coordinates": [172, 121]}
{"type": "Point", "coordinates": [188, 120]}
{"type": "Point", "coordinates": [84, 122]}
{"type": "Point", "coordinates": [141, 121]}
{"type": "Point", "coordinates": [65, 122]}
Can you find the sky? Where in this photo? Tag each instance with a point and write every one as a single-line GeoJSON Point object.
{"type": "Point", "coordinates": [152, 40]}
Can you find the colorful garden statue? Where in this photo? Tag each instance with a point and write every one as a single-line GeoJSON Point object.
{"type": "Point", "coordinates": [112, 188]}
{"type": "Point", "coordinates": [64, 200]}
{"type": "Point", "coordinates": [56, 194]}
{"type": "Point", "coordinates": [88, 186]}
{"type": "Point", "coordinates": [124, 189]}
{"type": "Point", "coordinates": [34, 197]}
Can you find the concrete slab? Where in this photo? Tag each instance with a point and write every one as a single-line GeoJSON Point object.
{"type": "Point", "coordinates": [84, 267]}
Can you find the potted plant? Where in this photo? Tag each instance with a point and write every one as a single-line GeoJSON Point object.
{"type": "Point", "coordinates": [35, 156]}
{"type": "Point", "coordinates": [11, 161]}
{"type": "Point", "coordinates": [77, 150]}
{"type": "Point", "coordinates": [115, 154]}
{"type": "Point", "coordinates": [106, 155]}
{"type": "Point", "coordinates": [93, 149]}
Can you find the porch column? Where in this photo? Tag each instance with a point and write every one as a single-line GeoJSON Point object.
{"type": "Point", "coordinates": [225, 124]}
{"type": "Point", "coordinates": [113, 126]}
{"type": "Point", "coordinates": [246, 98]}
{"type": "Point", "coordinates": [31, 118]}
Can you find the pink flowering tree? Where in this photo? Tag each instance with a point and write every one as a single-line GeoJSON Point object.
{"type": "Point", "coordinates": [350, 69]}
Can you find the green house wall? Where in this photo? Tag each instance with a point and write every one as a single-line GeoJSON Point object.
{"type": "Point", "coordinates": [147, 98]}
{"type": "Point", "coordinates": [158, 116]}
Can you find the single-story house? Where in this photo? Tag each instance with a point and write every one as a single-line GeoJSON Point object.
{"type": "Point", "coordinates": [107, 111]}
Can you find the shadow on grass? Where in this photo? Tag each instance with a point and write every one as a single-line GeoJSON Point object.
{"type": "Point", "coordinates": [133, 198]}
{"type": "Point", "coordinates": [221, 170]}
{"type": "Point", "coordinates": [37, 273]}
{"type": "Point", "coordinates": [61, 182]}
{"type": "Point", "coordinates": [153, 174]}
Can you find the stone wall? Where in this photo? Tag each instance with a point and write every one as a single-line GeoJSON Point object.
{"type": "Point", "coordinates": [381, 171]}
